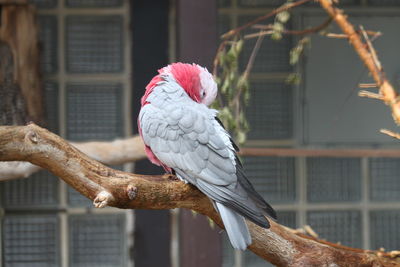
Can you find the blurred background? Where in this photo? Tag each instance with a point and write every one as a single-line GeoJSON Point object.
{"type": "Point", "coordinates": [96, 58]}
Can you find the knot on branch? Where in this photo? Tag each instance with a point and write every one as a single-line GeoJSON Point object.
{"type": "Point", "coordinates": [102, 199]}
{"type": "Point", "coordinates": [131, 190]}
{"type": "Point", "coordinates": [32, 137]}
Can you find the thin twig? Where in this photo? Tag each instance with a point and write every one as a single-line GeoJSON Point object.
{"type": "Point", "coordinates": [310, 231]}
{"type": "Point", "coordinates": [249, 66]}
{"type": "Point", "coordinates": [368, 85]}
{"type": "Point", "coordinates": [390, 133]}
{"type": "Point", "coordinates": [216, 58]}
{"type": "Point", "coordinates": [371, 49]}
{"type": "Point", "coordinates": [345, 36]}
{"type": "Point", "coordinates": [368, 94]}
{"type": "Point", "coordinates": [290, 32]}
{"type": "Point", "coordinates": [257, 20]}
{"type": "Point", "coordinates": [337, 35]}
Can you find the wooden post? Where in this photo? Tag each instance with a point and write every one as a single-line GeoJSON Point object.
{"type": "Point", "coordinates": [21, 89]}
{"type": "Point", "coordinates": [200, 245]}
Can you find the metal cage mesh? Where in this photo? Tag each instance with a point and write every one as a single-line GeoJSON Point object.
{"type": "Point", "coordinates": [76, 199]}
{"type": "Point", "coordinates": [52, 104]}
{"type": "Point", "coordinates": [270, 111]}
{"type": "Point", "coordinates": [94, 111]}
{"type": "Point", "coordinates": [93, 3]}
{"type": "Point", "coordinates": [383, 2]}
{"type": "Point", "coordinates": [384, 179]}
{"type": "Point", "coordinates": [44, 3]}
{"type": "Point", "coordinates": [97, 240]}
{"type": "Point", "coordinates": [224, 24]}
{"type": "Point", "coordinates": [30, 241]}
{"type": "Point", "coordinates": [333, 179]}
{"type": "Point", "coordinates": [261, 3]}
{"type": "Point", "coordinates": [40, 190]}
{"type": "Point", "coordinates": [385, 231]}
{"type": "Point", "coordinates": [273, 178]}
{"type": "Point", "coordinates": [224, 3]}
{"type": "Point", "coordinates": [273, 56]}
{"type": "Point", "coordinates": [228, 253]}
{"type": "Point", "coordinates": [48, 43]}
{"type": "Point", "coordinates": [94, 44]}
{"type": "Point", "coordinates": [337, 226]}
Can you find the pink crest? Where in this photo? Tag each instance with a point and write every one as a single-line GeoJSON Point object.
{"type": "Point", "coordinates": [188, 76]}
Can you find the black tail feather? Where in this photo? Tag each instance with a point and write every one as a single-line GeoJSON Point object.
{"type": "Point", "coordinates": [253, 194]}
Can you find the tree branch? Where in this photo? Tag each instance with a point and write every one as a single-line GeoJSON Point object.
{"type": "Point", "coordinates": [105, 186]}
{"type": "Point", "coordinates": [386, 90]}
{"type": "Point", "coordinates": [110, 153]}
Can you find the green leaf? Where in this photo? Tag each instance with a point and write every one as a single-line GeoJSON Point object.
{"type": "Point", "coordinates": [293, 78]}
{"type": "Point", "coordinates": [278, 27]}
{"type": "Point", "coordinates": [211, 223]}
{"type": "Point", "coordinates": [239, 46]}
{"type": "Point", "coordinates": [241, 137]}
{"type": "Point", "coordinates": [283, 16]}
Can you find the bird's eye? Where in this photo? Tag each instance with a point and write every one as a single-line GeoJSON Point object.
{"type": "Point", "coordinates": [204, 94]}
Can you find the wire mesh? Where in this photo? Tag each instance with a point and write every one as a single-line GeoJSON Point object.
{"type": "Point", "coordinates": [287, 218]}
{"type": "Point", "coordinates": [274, 178]}
{"type": "Point", "coordinates": [337, 226]}
{"type": "Point", "coordinates": [224, 3]}
{"type": "Point", "coordinates": [76, 199]}
{"type": "Point", "coordinates": [44, 3]}
{"type": "Point", "coordinates": [383, 2]}
{"type": "Point", "coordinates": [30, 241]}
{"type": "Point", "coordinates": [94, 111]}
{"type": "Point", "coordinates": [97, 240]}
{"type": "Point", "coordinates": [385, 230]}
{"type": "Point", "coordinates": [48, 43]}
{"type": "Point", "coordinates": [224, 24]}
{"type": "Point", "coordinates": [273, 56]}
{"type": "Point", "coordinates": [261, 3]}
{"type": "Point", "coordinates": [333, 179]}
{"type": "Point", "coordinates": [52, 105]}
{"type": "Point", "coordinates": [228, 253]}
{"type": "Point", "coordinates": [94, 44]}
{"type": "Point", "coordinates": [270, 111]}
{"type": "Point", "coordinates": [93, 3]}
{"type": "Point", "coordinates": [384, 179]}
{"type": "Point", "coordinates": [40, 190]}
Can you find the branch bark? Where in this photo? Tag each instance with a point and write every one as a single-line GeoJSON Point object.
{"type": "Point", "coordinates": [106, 186]}
{"type": "Point", "coordinates": [116, 152]}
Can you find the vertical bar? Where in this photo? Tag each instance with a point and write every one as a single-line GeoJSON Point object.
{"type": "Point", "coordinates": [64, 251]}
{"type": "Point", "coordinates": [197, 31]}
{"type": "Point", "coordinates": [197, 43]}
{"type": "Point", "coordinates": [302, 190]}
{"type": "Point", "coordinates": [365, 202]}
{"type": "Point", "coordinates": [149, 53]}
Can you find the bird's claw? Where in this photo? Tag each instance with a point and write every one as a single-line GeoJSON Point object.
{"type": "Point", "coordinates": [171, 177]}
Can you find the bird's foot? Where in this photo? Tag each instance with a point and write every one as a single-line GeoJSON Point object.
{"type": "Point", "coordinates": [170, 176]}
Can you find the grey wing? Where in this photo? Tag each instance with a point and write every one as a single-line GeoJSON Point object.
{"type": "Point", "coordinates": [184, 138]}
{"type": "Point", "coordinates": [188, 139]}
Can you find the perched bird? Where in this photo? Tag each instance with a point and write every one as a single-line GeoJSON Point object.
{"type": "Point", "coordinates": [185, 137]}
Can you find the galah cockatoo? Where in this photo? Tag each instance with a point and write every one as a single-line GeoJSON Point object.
{"type": "Point", "coordinates": [185, 137]}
